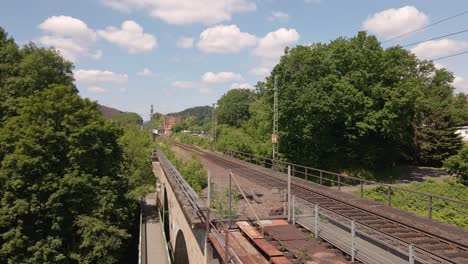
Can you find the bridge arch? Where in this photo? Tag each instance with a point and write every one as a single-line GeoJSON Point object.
{"type": "Point", "coordinates": [166, 216]}
{"type": "Point", "coordinates": [180, 252]}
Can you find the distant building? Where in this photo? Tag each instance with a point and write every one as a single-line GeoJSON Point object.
{"type": "Point", "coordinates": [463, 132]}
{"type": "Point", "coordinates": [168, 122]}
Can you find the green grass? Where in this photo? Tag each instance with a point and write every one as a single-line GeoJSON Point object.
{"type": "Point", "coordinates": [444, 211]}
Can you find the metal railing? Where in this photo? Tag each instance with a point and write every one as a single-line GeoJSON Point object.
{"type": "Point", "coordinates": [187, 190]}
{"type": "Point", "coordinates": [361, 242]}
{"type": "Point", "coordinates": [338, 180]}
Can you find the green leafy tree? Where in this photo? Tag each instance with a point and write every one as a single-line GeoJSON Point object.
{"type": "Point", "coordinates": [137, 148]}
{"type": "Point", "coordinates": [233, 107]}
{"type": "Point", "coordinates": [69, 180]}
{"type": "Point", "coordinates": [350, 103]}
{"type": "Point", "coordinates": [59, 161]}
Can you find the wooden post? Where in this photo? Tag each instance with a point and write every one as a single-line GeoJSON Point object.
{"type": "Point", "coordinates": [389, 194]}
{"type": "Point", "coordinates": [339, 182]}
{"type": "Point", "coordinates": [362, 190]}
{"type": "Point", "coordinates": [429, 208]}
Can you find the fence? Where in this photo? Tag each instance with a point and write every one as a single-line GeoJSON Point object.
{"type": "Point", "coordinates": [329, 178]}
{"type": "Point", "coordinates": [359, 241]}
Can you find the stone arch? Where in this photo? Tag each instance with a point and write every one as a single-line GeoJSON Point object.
{"type": "Point", "coordinates": [166, 216]}
{"type": "Point", "coordinates": [180, 252]}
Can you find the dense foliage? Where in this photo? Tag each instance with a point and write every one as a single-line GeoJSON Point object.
{"type": "Point", "coordinates": [233, 107]}
{"type": "Point", "coordinates": [458, 164]}
{"type": "Point", "coordinates": [70, 181]}
{"type": "Point", "coordinates": [449, 212]}
{"type": "Point", "coordinates": [349, 105]}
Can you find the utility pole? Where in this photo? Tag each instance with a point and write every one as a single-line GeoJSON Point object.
{"type": "Point", "coordinates": [213, 124]}
{"type": "Point", "coordinates": [151, 123]}
{"type": "Point", "coordinates": [274, 136]}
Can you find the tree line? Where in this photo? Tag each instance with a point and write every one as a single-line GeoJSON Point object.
{"type": "Point", "coordinates": [350, 105]}
{"type": "Point", "coordinates": [70, 181]}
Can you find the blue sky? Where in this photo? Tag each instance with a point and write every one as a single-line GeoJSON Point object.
{"type": "Point", "coordinates": [175, 54]}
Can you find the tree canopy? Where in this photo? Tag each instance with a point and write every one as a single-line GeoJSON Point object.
{"type": "Point", "coordinates": [353, 104]}
{"type": "Point", "coordinates": [233, 107]}
{"type": "Point", "coordinates": [70, 181]}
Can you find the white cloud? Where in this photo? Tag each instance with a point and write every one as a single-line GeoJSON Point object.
{"type": "Point", "coordinates": [272, 45]}
{"type": "Point", "coordinates": [97, 76]}
{"type": "Point", "coordinates": [200, 87]}
{"type": "Point", "coordinates": [70, 36]}
{"type": "Point", "coordinates": [312, 1]}
{"type": "Point", "coordinates": [393, 22]}
{"type": "Point", "coordinates": [260, 71]}
{"type": "Point", "coordinates": [220, 77]}
{"type": "Point", "coordinates": [97, 90]}
{"type": "Point", "coordinates": [67, 26]}
{"type": "Point", "coordinates": [278, 16]}
{"type": "Point", "coordinates": [438, 48]}
{"type": "Point", "coordinates": [130, 36]}
{"type": "Point", "coordinates": [186, 11]}
{"type": "Point", "coordinates": [460, 84]}
{"type": "Point", "coordinates": [245, 86]}
{"type": "Point", "coordinates": [185, 43]}
{"type": "Point", "coordinates": [145, 72]}
{"type": "Point", "coordinates": [225, 39]}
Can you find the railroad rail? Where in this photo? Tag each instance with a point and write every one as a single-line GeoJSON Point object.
{"type": "Point", "coordinates": [434, 247]}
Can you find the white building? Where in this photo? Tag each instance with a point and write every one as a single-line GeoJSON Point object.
{"type": "Point", "coordinates": [463, 132]}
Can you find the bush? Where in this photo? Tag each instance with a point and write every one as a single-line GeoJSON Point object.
{"type": "Point", "coordinates": [458, 164]}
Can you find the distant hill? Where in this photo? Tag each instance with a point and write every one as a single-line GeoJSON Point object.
{"type": "Point", "coordinates": [121, 117]}
{"type": "Point", "coordinates": [202, 113]}
{"type": "Point", "coordinates": [109, 112]}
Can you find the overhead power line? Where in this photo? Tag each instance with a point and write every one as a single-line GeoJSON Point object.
{"type": "Point", "coordinates": [439, 37]}
{"type": "Point", "coordinates": [430, 25]}
{"type": "Point", "coordinates": [449, 56]}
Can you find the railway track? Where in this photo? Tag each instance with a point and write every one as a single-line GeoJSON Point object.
{"type": "Point", "coordinates": [449, 250]}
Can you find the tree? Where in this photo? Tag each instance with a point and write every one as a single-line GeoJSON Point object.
{"type": "Point", "coordinates": [233, 107]}
{"type": "Point", "coordinates": [458, 164]}
{"type": "Point", "coordinates": [59, 161]}
{"type": "Point", "coordinates": [436, 121]}
{"type": "Point", "coordinates": [23, 71]}
{"type": "Point", "coordinates": [69, 180]}
{"type": "Point", "coordinates": [350, 103]}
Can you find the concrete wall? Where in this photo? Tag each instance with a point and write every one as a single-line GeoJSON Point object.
{"type": "Point", "coordinates": [177, 220]}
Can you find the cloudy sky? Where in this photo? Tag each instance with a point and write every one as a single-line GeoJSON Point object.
{"type": "Point", "coordinates": [174, 54]}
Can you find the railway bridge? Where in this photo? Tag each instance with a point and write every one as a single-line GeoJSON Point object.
{"type": "Point", "coordinates": [362, 231]}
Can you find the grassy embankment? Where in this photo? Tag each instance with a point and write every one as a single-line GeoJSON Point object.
{"type": "Point", "coordinates": [444, 211]}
